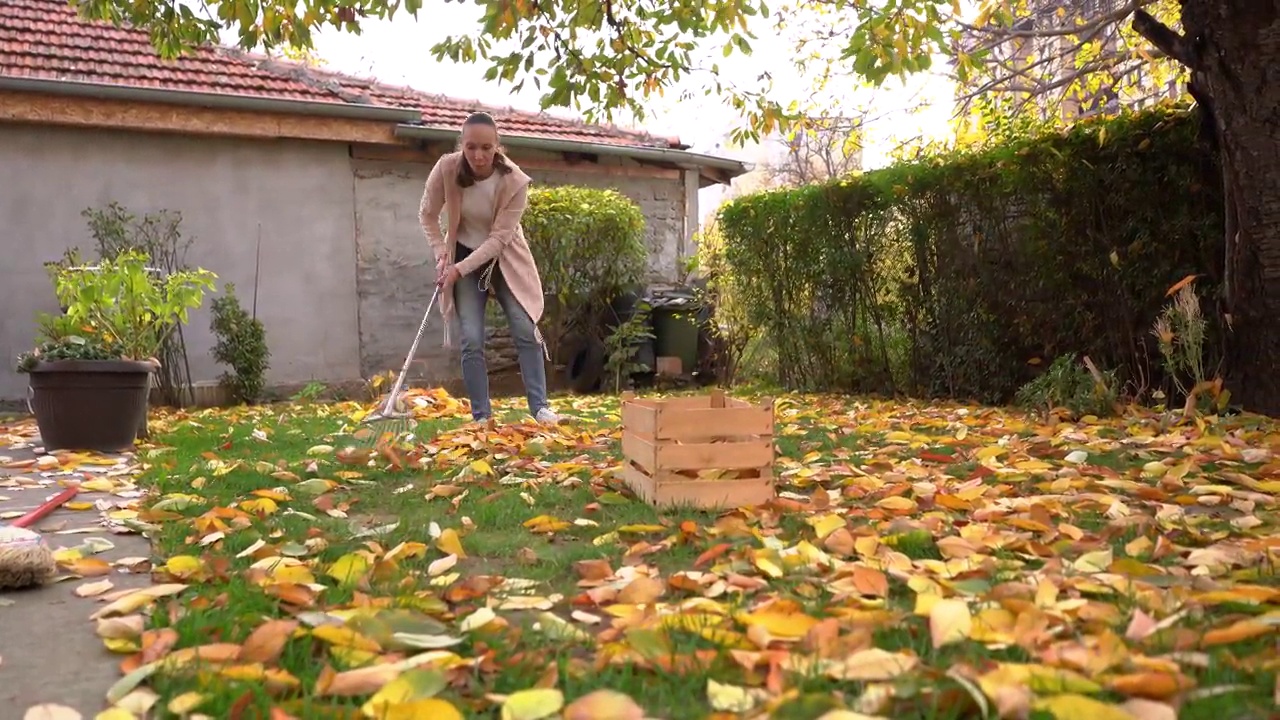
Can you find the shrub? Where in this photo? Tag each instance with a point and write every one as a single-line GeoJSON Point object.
{"type": "Point", "coordinates": [589, 245]}
{"type": "Point", "coordinates": [116, 229]}
{"type": "Point", "coordinates": [954, 275]}
{"type": "Point", "coordinates": [731, 333]}
{"type": "Point", "coordinates": [1069, 385]}
{"type": "Point", "coordinates": [241, 345]}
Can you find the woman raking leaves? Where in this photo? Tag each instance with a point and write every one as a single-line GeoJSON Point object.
{"type": "Point", "coordinates": [484, 195]}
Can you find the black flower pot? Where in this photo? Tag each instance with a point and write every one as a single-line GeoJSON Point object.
{"type": "Point", "coordinates": [90, 404]}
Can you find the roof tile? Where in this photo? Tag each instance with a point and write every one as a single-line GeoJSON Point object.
{"type": "Point", "coordinates": [46, 39]}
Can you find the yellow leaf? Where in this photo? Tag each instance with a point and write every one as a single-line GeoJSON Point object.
{"type": "Point", "coordinates": [949, 621]}
{"type": "Point", "coordinates": [98, 485]}
{"type": "Point", "coordinates": [1074, 707]}
{"type": "Point", "coordinates": [259, 506]}
{"type": "Point", "coordinates": [534, 704]}
{"type": "Point", "coordinates": [481, 467]}
{"type": "Point", "coordinates": [641, 529]}
{"type": "Point", "coordinates": [1040, 679]}
{"type": "Point", "coordinates": [450, 543]}
{"type": "Point", "coordinates": [432, 708]}
{"type": "Point", "coordinates": [185, 703]}
{"type": "Point", "coordinates": [115, 713]}
{"type": "Point", "coordinates": [732, 698]}
{"type": "Point", "coordinates": [183, 566]}
{"type": "Point", "coordinates": [349, 568]}
{"type": "Point", "coordinates": [826, 524]}
{"type": "Point", "coordinates": [791, 625]}
{"type": "Point", "coordinates": [897, 503]}
{"type": "Point", "coordinates": [123, 646]}
{"type": "Point", "coordinates": [345, 637]}
{"type": "Point", "coordinates": [413, 684]}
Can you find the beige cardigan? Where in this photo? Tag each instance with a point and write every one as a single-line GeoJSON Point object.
{"type": "Point", "coordinates": [506, 243]}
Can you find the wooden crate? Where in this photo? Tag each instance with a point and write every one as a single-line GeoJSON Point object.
{"type": "Point", "coordinates": [709, 451]}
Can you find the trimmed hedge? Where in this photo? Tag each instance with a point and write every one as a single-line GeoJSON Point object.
{"type": "Point", "coordinates": [965, 275]}
{"type": "Point", "coordinates": [589, 245]}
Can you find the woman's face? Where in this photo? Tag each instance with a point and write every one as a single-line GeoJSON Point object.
{"type": "Point", "coordinates": [479, 143]}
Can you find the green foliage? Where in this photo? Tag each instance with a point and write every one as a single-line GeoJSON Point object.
{"type": "Point", "coordinates": [622, 345]}
{"type": "Point", "coordinates": [115, 229]}
{"type": "Point", "coordinates": [241, 345]}
{"type": "Point", "coordinates": [66, 346]}
{"type": "Point", "coordinates": [1069, 385]}
{"type": "Point", "coordinates": [731, 333]}
{"type": "Point", "coordinates": [131, 309]}
{"type": "Point", "coordinates": [608, 58]}
{"type": "Point", "coordinates": [601, 57]}
{"type": "Point", "coordinates": [954, 274]}
{"type": "Point", "coordinates": [589, 245]}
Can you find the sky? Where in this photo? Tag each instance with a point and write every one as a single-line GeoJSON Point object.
{"type": "Point", "coordinates": [398, 52]}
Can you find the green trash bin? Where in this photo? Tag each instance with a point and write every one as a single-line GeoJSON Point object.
{"type": "Point", "coordinates": [675, 329]}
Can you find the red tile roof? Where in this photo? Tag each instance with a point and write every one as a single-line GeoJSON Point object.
{"type": "Point", "coordinates": [46, 39]}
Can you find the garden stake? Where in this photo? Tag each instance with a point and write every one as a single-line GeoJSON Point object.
{"type": "Point", "coordinates": [391, 418]}
{"type": "Point", "coordinates": [25, 559]}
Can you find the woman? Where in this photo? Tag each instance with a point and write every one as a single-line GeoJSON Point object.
{"type": "Point", "coordinates": [483, 195]}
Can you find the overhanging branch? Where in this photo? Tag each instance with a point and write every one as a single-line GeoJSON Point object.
{"type": "Point", "coordinates": [1163, 37]}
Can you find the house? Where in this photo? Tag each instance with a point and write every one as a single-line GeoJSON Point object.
{"type": "Point", "coordinates": [326, 169]}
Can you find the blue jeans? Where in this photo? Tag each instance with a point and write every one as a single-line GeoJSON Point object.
{"type": "Point", "coordinates": [470, 302]}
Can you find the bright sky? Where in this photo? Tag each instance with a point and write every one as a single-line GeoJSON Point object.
{"type": "Point", "coordinates": [398, 52]}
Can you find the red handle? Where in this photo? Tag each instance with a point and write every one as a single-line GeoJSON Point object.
{"type": "Point", "coordinates": [49, 506]}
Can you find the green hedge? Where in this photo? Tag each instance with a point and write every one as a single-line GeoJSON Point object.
{"type": "Point", "coordinates": [964, 275]}
{"type": "Point", "coordinates": [589, 246]}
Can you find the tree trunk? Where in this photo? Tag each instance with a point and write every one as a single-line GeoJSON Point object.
{"type": "Point", "coordinates": [1234, 53]}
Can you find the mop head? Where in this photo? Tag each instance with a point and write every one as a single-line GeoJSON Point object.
{"type": "Point", "coordinates": [25, 559]}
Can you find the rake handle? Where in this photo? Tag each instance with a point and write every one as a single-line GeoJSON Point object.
{"type": "Point", "coordinates": [46, 507]}
{"type": "Point", "coordinates": [408, 360]}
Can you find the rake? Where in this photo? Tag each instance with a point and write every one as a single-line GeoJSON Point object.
{"type": "Point", "coordinates": [392, 418]}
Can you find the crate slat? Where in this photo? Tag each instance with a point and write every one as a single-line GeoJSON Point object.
{"type": "Point", "coordinates": [711, 456]}
{"type": "Point", "coordinates": [708, 423]}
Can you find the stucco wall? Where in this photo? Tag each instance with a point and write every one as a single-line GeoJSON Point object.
{"type": "Point", "coordinates": [396, 269]}
{"type": "Point", "coordinates": [345, 271]}
{"type": "Point", "coordinates": [301, 192]}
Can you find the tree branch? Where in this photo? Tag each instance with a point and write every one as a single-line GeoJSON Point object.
{"type": "Point", "coordinates": [1164, 38]}
{"type": "Point", "coordinates": [1098, 23]}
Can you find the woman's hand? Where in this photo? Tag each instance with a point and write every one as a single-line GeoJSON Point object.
{"type": "Point", "coordinates": [450, 277]}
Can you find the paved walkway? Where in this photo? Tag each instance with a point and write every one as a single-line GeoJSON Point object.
{"type": "Point", "coordinates": [49, 652]}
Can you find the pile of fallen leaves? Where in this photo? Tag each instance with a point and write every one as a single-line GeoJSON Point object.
{"type": "Point", "coordinates": [919, 561]}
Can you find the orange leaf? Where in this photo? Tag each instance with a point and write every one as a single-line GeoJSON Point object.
{"type": "Point", "coordinates": [267, 641]}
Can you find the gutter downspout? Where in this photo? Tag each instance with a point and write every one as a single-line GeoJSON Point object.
{"type": "Point", "coordinates": [108, 91]}
{"type": "Point", "coordinates": [681, 158]}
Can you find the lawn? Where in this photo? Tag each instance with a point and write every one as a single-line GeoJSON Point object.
{"type": "Point", "coordinates": [921, 561]}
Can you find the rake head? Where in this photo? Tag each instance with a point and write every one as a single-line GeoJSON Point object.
{"type": "Point", "coordinates": [384, 426]}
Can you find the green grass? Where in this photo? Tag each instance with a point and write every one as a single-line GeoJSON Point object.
{"type": "Point", "coordinates": [931, 498]}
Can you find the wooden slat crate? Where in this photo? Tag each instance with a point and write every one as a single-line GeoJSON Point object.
{"type": "Point", "coordinates": [708, 452]}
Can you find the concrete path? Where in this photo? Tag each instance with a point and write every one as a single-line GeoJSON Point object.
{"type": "Point", "coordinates": [49, 652]}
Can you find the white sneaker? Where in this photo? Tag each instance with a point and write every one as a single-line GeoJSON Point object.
{"type": "Point", "coordinates": [547, 416]}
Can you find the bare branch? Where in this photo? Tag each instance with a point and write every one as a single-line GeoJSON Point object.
{"type": "Point", "coordinates": [1002, 35]}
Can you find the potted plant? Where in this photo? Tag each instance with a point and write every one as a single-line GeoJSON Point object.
{"type": "Point", "coordinates": [91, 371]}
